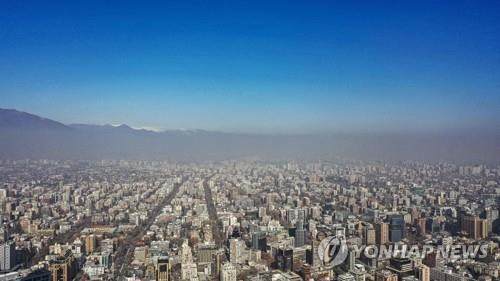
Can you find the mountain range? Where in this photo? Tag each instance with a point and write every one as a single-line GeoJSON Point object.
{"type": "Point", "coordinates": [24, 135]}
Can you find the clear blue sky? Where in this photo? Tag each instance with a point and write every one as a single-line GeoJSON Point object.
{"type": "Point", "coordinates": [254, 66]}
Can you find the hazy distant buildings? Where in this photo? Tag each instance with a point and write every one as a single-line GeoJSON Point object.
{"type": "Point", "coordinates": [186, 232]}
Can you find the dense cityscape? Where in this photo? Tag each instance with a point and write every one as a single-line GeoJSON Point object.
{"type": "Point", "coordinates": [245, 220]}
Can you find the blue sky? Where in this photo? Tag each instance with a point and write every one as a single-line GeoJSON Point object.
{"type": "Point", "coordinates": [254, 66]}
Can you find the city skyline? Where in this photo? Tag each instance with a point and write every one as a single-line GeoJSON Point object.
{"type": "Point", "coordinates": [255, 68]}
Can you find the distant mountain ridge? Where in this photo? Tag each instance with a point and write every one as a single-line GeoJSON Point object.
{"type": "Point", "coordinates": [24, 135]}
{"type": "Point", "coordinates": [13, 119]}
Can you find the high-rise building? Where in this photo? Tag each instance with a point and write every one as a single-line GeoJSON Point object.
{"type": "Point", "coordinates": [313, 256]}
{"type": "Point", "coordinates": [475, 227]}
{"type": "Point", "coordinates": [431, 259]}
{"type": "Point", "coordinates": [186, 254]}
{"type": "Point", "coordinates": [382, 233]}
{"type": "Point", "coordinates": [491, 214]}
{"type": "Point", "coordinates": [300, 234]}
{"type": "Point", "coordinates": [217, 263]}
{"type": "Point", "coordinates": [189, 271]}
{"type": "Point", "coordinates": [206, 252]}
{"type": "Point", "coordinates": [370, 237]}
{"type": "Point", "coordinates": [162, 269]}
{"type": "Point", "coordinates": [228, 272]}
{"type": "Point", "coordinates": [4, 234]}
{"type": "Point", "coordinates": [63, 268]}
{"type": "Point", "coordinates": [236, 249]}
{"type": "Point", "coordinates": [259, 241]}
{"type": "Point", "coordinates": [7, 255]}
{"type": "Point", "coordinates": [90, 243]}
{"type": "Point", "coordinates": [396, 228]}
{"type": "Point", "coordinates": [3, 193]}
{"type": "Point", "coordinates": [284, 259]}
{"type": "Point", "coordinates": [470, 226]}
{"type": "Point", "coordinates": [207, 233]}
{"type": "Point", "coordinates": [483, 228]}
{"type": "Point", "coordinates": [420, 223]}
{"type": "Point", "coordinates": [423, 273]}
{"type": "Point", "coordinates": [351, 259]}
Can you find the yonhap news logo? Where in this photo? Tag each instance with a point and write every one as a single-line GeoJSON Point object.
{"type": "Point", "coordinates": [332, 251]}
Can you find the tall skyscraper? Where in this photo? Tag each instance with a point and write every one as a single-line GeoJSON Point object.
{"type": "Point", "coordinates": [483, 228]}
{"type": "Point", "coordinates": [396, 228]}
{"type": "Point", "coordinates": [207, 233]}
{"type": "Point", "coordinates": [382, 233]}
{"type": "Point", "coordinates": [236, 248]}
{"type": "Point", "coordinates": [259, 241]}
{"type": "Point", "coordinates": [4, 234]}
{"type": "Point", "coordinates": [186, 254]}
{"type": "Point", "coordinates": [90, 244]}
{"type": "Point", "coordinates": [423, 273]}
{"type": "Point", "coordinates": [351, 260]}
{"type": "Point", "coordinates": [475, 227]}
{"type": "Point", "coordinates": [3, 193]}
{"type": "Point", "coordinates": [369, 235]}
{"type": "Point", "coordinates": [63, 268]}
{"type": "Point", "coordinates": [420, 223]}
{"type": "Point", "coordinates": [7, 255]}
{"type": "Point", "coordinates": [300, 234]}
{"type": "Point", "coordinates": [284, 259]}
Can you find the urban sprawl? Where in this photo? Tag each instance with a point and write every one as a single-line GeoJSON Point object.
{"type": "Point", "coordinates": [249, 220]}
